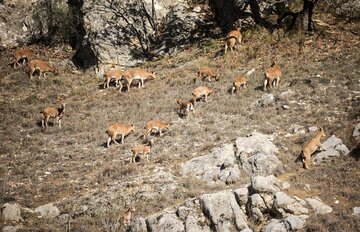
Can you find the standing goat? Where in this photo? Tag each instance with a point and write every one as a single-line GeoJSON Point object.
{"type": "Point", "coordinates": [118, 129]}
{"type": "Point", "coordinates": [310, 147]}
{"type": "Point", "coordinates": [41, 66]}
{"type": "Point", "coordinates": [185, 106]}
{"type": "Point", "coordinates": [50, 112]}
{"type": "Point", "coordinates": [232, 38]}
{"type": "Point", "coordinates": [202, 92]}
{"type": "Point", "coordinates": [207, 72]}
{"type": "Point", "coordinates": [155, 125]}
{"type": "Point", "coordinates": [239, 82]}
{"type": "Point", "coordinates": [142, 149]}
{"type": "Point", "coordinates": [272, 76]}
{"type": "Point", "coordinates": [23, 54]}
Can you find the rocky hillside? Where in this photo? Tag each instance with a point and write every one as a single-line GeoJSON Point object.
{"type": "Point", "coordinates": [228, 168]}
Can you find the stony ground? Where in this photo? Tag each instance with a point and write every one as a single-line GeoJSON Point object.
{"type": "Point", "coordinates": [71, 167]}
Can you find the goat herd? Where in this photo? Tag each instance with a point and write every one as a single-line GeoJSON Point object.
{"type": "Point", "coordinates": [138, 76]}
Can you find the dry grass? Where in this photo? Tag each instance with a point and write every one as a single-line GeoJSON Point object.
{"type": "Point", "coordinates": [322, 71]}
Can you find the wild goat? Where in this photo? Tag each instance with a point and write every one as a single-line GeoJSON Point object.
{"type": "Point", "coordinates": [137, 74]}
{"type": "Point", "coordinates": [239, 82]}
{"type": "Point", "coordinates": [125, 217]}
{"type": "Point", "coordinates": [232, 38]}
{"type": "Point", "coordinates": [23, 54]}
{"type": "Point", "coordinates": [116, 74]}
{"type": "Point", "coordinates": [155, 126]}
{"type": "Point", "coordinates": [310, 147]}
{"type": "Point", "coordinates": [118, 129]}
{"type": "Point", "coordinates": [272, 76]}
{"type": "Point", "coordinates": [50, 112]}
{"type": "Point", "coordinates": [206, 72]}
{"type": "Point", "coordinates": [185, 106]}
{"type": "Point", "coordinates": [41, 66]}
{"type": "Point", "coordinates": [142, 149]}
{"type": "Point", "coordinates": [201, 91]}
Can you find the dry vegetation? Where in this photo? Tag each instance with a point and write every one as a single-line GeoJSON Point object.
{"type": "Point", "coordinates": [71, 166]}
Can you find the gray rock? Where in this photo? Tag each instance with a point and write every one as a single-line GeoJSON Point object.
{"type": "Point", "coordinates": [255, 143]}
{"type": "Point", "coordinates": [356, 211]}
{"type": "Point", "coordinates": [296, 209]}
{"type": "Point", "coordinates": [334, 148]}
{"type": "Point", "coordinates": [263, 165]}
{"type": "Point", "coordinates": [192, 225]}
{"type": "Point", "coordinates": [356, 131]}
{"type": "Point", "coordinates": [246, 230]}
{"type": "Point", "coordinates": [242, 195]}
{"type": "Point", "coordinates": [318, 206]}
{"type": "Point", "coordinates": [223, 211]}
{"type": "Point", "coordinates": [285, 96]}
{"type": "Point", "coordinates": [256, 201]}
{"type": "Point", "coordinates": [211, 167]}
{"type": "Point", "coordinates": [294, 223]}
{"type": "Point", "coordinates": [9, 229]}
{"type": "Point", "coordinates": [113, 38]}
{"type": "Point", "coordinates": [268, 199]}
{"type": "Point", "coordinates": [266, 100]}
{"type": "Point", "coordinates": [138, 225]}
{"type": "Point", "coordinates": [183, 212]}
{"type": "Point", "coordinates": [261, 184]}
{"type": "Point", "coordinates": [257, 155]}
{"type": "Point", "coordinates": [168, 222]}
{"type": "Point", "coordinates": [275, 225]}
{"type": "Point", "coordinates": [11, 212]}
{"type": "Point", "coordinates": [48, 211]}
{"type": "Point", "coordinates": [282, 200]}
{"type": "Point", "coordinates": [257, 215]}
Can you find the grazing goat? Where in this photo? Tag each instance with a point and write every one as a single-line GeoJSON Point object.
{"type": "Point", "coordinates": [23, 54]}
{"type": "Point", "coordinates": [155, 126]}
{"type": "Point", "coordinates": [142, 149]}
{"type": "Point", "coordinates": [232, 38]}
{"type": "Point", "coordinates": [118, 129]}
{"type": "Point", "coordinates": [185, 106]}
{"type": "Point", "coordinates": [239, 82]}
{"type": "Point", "coordinates": [125, 217]}
{"type": "Point", "coordinates": [272, 76]}
{"type": "Point", "coordinates": [206, 72]}
{"type": "Point", "coordinates": [116, 74]}
{"type": "Point", "coordinates": [137, 74]}
{"type": "Point", "coordinates": [41, 66]}
{"type": "Point", "coordinates": [201, 91]}
{"type": "Point", "coordinates": [310, 147]}
{"type": "Point", "coordinates": [50, 112]}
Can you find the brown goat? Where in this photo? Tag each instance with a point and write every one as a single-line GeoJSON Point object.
{"type": "Point", "coordinates": [233, 37]}
{"type": "Point", "coordinates": [272, 76]}
{"type": "Point", "coordinates": [185, 106]}
{"type": "Point", "coordinates": [118, 129]}
{"type": "Point", "coordinates": [201, 91]}
{"type": "Point", "coordinates": [50, 112]}
{"type": "Point", "coordinates": [41, 66]}
{"type": "Point", "coordinates": [311, 146]}
{"type": "Point", "coordinates": [137, 74]}
{"type": "Point", "coordinates": [142, 149]}
{"type": "Point", "coordinates": [239, 82]}
{"type": "Point", "coordinates": [116, 74]}
{"type": "Point", "coordinates": [23, 54]}
{"type": "Point", "coordinates": [155, 126]}
{"type": "Point", "coordinates": [207, 72]}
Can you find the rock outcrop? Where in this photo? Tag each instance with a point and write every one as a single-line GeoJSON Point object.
{"type": "Point", "coordinates": [237, 210]}
{"type": "Point", "coordinates": [334, 148]}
